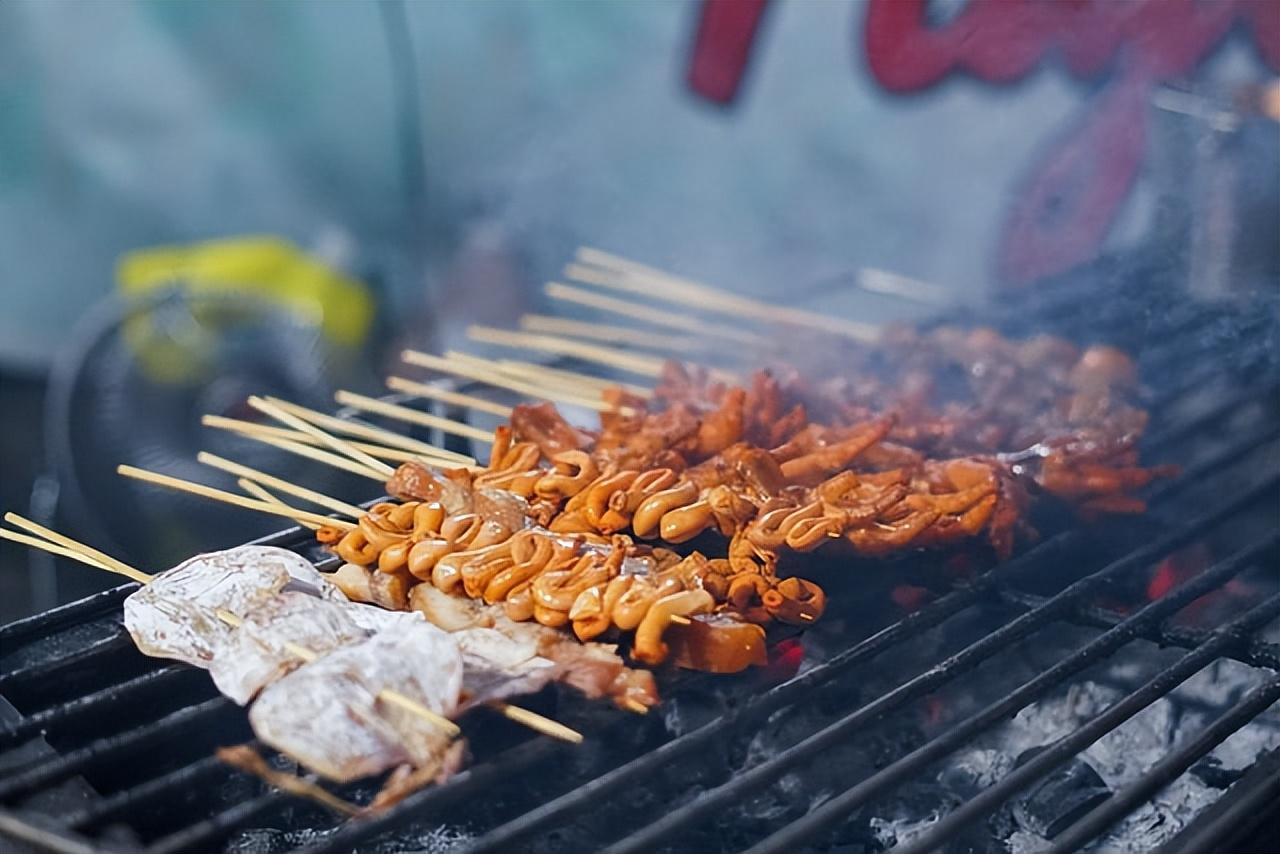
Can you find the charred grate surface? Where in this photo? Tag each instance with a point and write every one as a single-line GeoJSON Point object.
{"type": "Point", "coordinates": [102, 747]}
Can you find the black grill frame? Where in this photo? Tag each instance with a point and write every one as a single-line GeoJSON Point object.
{"type": "Point", "coordinates": [1175, 324]}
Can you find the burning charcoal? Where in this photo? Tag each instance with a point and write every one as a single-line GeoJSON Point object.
{"type": "Point", "coordinates": [970, 772]}
{"type": "Point", "coordinates": [1054, 803]}
{"type": "Point", "coordinates": [1210, 772]}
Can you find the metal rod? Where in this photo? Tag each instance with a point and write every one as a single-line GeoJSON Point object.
{"type": "Point", "coordinates": [765, 773]}
{"type": "Point", "coordinates": [1259, 653]}
{"type": "Point", "coordinates": [475, 781]}
{"type": "Point", "coordinates": [839, 807]}
{"type": "Point", "coordinates": [171, 784]}
{"type": "Point", "coordinates": [503, 836]}
{"type": "Point", "coordinates": [1068, 746]}
{"type": "Point", "coordinates": [1170, 768]}
{"type": "Point", "coordinates": [95, 703]}
{"type": "Point", "coordinates": [202, 832]}
{"type": "Point", "coordinates": [1236, 815]}
{"type": "Point", "coordinates": [61, 767]}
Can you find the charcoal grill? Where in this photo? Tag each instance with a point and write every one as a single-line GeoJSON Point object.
{"type": "Point", "coordinates": [102, 748]}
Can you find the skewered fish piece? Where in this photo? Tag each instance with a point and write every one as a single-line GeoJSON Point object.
{"type": "Point", "coordinates": [258, 652]}
{"type": "Point", "coordinates": [327, 714]}
{"type": "Point", "coordinates": [175, 616]}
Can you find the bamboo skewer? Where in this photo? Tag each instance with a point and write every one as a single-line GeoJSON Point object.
{"type": "Point", "coordinates": [379, 435]}
{"type": "Point", "coordinates": [649, 366]}
{"type": "Point", "coordinates": [254, 430]}
{"type": "Point", "coordinates": [284, 486]}
{"type": "Point", "coordinates": [106, 561]}
{"type": "Point", "coordinates": [648, 314]}
{"type": "Point", "coordinates": [36, 542]}
{"type": "Point", "coordinates": [612, 271]}
{"type": "Point", "coordinates": [902, 287]}
{"type": "Point", "coordinates": [550, 383]}
{"type": "Point", "coordinates": [444, 395]}
{"type": "Point", "coordinates": [268, 408]}
{"type": "Point", "coordinates": [543, 374]}
{"type": "Point", "coordinates": [413, 416]}
{"type": "Point", "coordinates": [257, 491]}
{"type": "Point", "coordinates": [483, 371]}
{"type": "Point", "coordinates": [231, 498]}
{"type": "Point", "coordinates": [579, 391]}
{"type": "Point", "coordinates": [75, 550]}
{"type": "Point", "coordinates": [320, 456]}
{"type": "Point", "coordinates": [543, 324]}
{"type": "Point", "coordinates": [546, 375]}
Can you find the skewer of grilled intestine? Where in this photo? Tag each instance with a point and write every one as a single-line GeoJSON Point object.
{"type": "Point", "coordinates": [587, 581]}
{"type": "Point", "coordinates": [1042, 409]}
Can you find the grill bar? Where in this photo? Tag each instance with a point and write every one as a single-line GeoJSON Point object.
{"type": "Point", "coordinates": [1197, 333]}
{"type": "Point", "coordinates": [61, 767]}
{"type": "Point", "coordinates": [48, 840]}
{"type": "Point", "coordinates": [95, 703]}
{"type": "Point", "coordinates": [500, 838]}
{"type": "Point", "coordinates": [1258, 653]}
{"type": "Point", "coordinates": [202, 831]}
{"type": "Point", "coordinates": [183, 777]}
{"type": "Point", "coordinates": [73, 613]}
{"type": "Point", "coordinates": [1172, 435]}
{"type": "Point", "coordinates": [1236, 815]}
{"type": "Point", "coordinates": [52, 671]}
{"type": "Point", "coordinates": [1053, 608]}
{"type": "Point", "coordinates": [776, 698]}
{"type": "Point", "coordinates": [1232, 634]}
{"type": "Point", "coordinates": [839, 807]}
{"type": "Point", "coordinates": [474, 780]}
{"type": "Point", "coordinates": [1165, 772]}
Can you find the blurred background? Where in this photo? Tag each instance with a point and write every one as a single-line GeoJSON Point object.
{"type": "Point", "coordinates": [199, 201]}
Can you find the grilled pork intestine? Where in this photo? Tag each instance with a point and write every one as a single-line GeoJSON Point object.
{"type": "Point", "coordinates": [176, 615]}
{"type": "Point", "coordinates": [1066, 419]}
{"type": "Point", "coordinates": [560, 581]}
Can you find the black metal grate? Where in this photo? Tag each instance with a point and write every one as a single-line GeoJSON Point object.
{"type": "Point", "coordinates": [101, 747]}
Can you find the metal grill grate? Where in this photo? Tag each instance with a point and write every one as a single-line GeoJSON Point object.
{"type": "Point", "coordinates": [103, 747]}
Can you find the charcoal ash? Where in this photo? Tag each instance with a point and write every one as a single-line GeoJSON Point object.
{"type": "Point", "coordinates": [1056, 801]}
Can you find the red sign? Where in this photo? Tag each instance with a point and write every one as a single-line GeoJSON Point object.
{"type": "Point", "coordinates": [1074, 191]}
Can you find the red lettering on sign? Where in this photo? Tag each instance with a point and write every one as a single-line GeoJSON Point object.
{"type": "Point", "coordinates": [722, 47]}
{"type": "Point", "coordinates": [1076, 189]}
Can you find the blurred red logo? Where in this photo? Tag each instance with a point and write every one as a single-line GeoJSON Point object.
{"type": "Point", "coordinates": [1072, 194]}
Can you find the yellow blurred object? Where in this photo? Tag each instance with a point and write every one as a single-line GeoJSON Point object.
{"type": "Point", "coordinates": [268, 269]}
